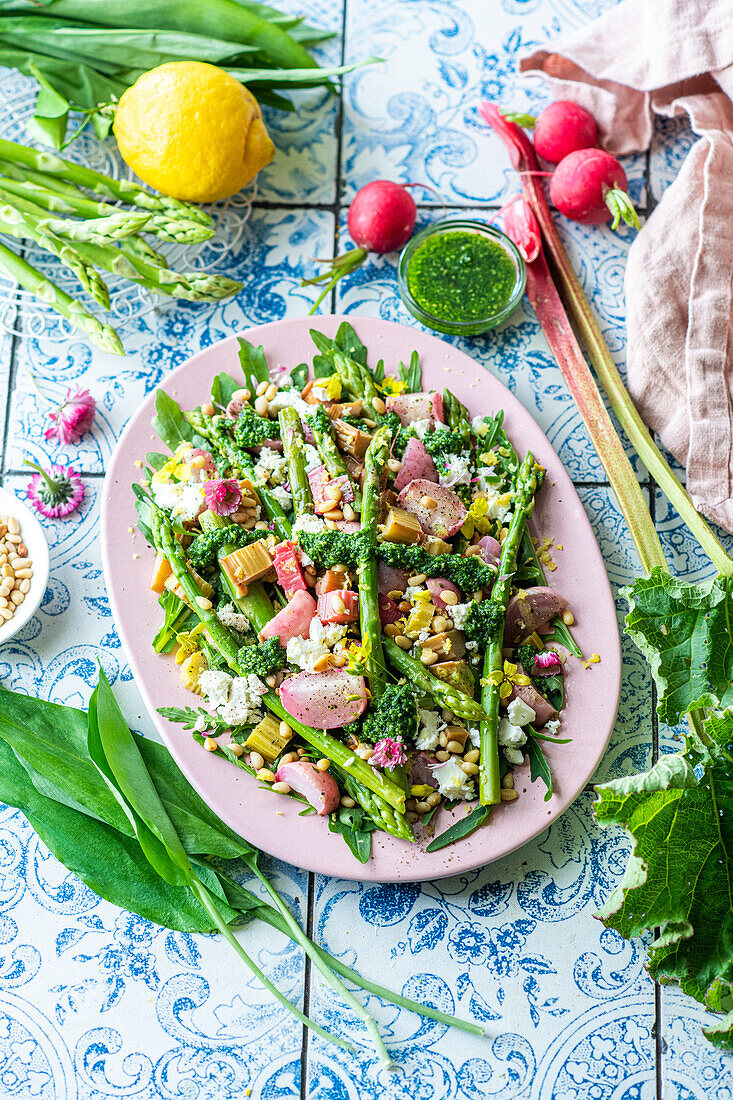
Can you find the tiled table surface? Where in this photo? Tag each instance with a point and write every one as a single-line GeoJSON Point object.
{"type": "Point", "coordinates": [96, 1003]}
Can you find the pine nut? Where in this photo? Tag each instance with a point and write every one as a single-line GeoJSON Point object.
{"type": "Point", "coordinates": [394, 465]}
{"type": "Point", "coordinates": [289, 758]}
{"type": "Point", "coordinates": [417, 580]}
{"type": "Point", "coordinates": [349, 513]}
{"type": "Point", "coordinates": [422, 807]}
{"type": "Point", "coordinates": [333, 492]}
{"type": "Point", "coordinates": [265, 775]}
{"type": "Point", "coordinates": [428, 656]}
{"type": "Point", "coordinates": [379, 406]}
{"type": "Point", "coordinates": [260, 525]}
{"type": "Point", "coordinates": [285, 730]}
{"type": "Point", "coordinates": [333, 515]}
{"type": "Point", "coordinates": [428, 502]}
{"type": "Point", "coordinates": [322, 663]}
{"type": "Point", "coordinates": [3, 601]}
{"type": "Point", "coordinates": [391, 630]}
{"type": "Point", "coordinates": [449, 597]}
{"type": "Point", "coordinates": [473, 756]}
{"type": "Point", "coordinates": [261, 406]}
{"type": "Point", "coordinates": [256, 761]}
{"type": "Point", "coordinates": [508, 796]}
{"type": "Point", "coordinates": [442, 755]}
{"type": "Point", "coordinates": [403, 642]}
{"type": "Point", "coordinates": [13, 526]}
{"type": "Point", "coordinates": [6, 571]}
{"type": "Point", "coordinates": [443, 740]}
{"type": "Point", "coordinates": [271, 680]}
{"type": "Point", "coordinates": [7, 613]}
{"type": "Point", "coordinates": [236, 748]}
{"type": "Point", "coordinates": [472, 551]}
{"type": "Point", "coordinates": [24, 573]}
{"type": "Point", "coordinates": [17, 598]}
{"type": "Point", "coordinates": [204, 603]}
{"type": "Point", "coordinates": [567, 617]}
{"type": "Point", "coordinates": [262, 388]}
{"type": "Point", "coordinates": [454, 746]}
{"type": "Point", "coordinates": [271, 391]}
{"type": "Point", "coordinates": [22, 549]}
{"type": "Point", "coordinates": [470, 769]}
{"type": "Point", "coordinates": [207, 409]}
{"type": "Point", "coordinates": [508, 781]}
{"type": "Point", "coordinates": [15, 539]}
{"type": "Point", "coordinates": [338, 604]}
{"type": "Point", "coordinates": [197, 463]}
{"type": "Point", "coordinates": [241, 395]}
{"type": "Point", "coordinates": [434, 799]}
{"type": "Point", "coordinates": [339, 660]}
{"type": "Point", "coordinates": [347, 803]}
{"type": "Point", "coordinates": [210, 744]}
{"type": "Point", "coordinates": [25, 586]}
{"type": "Point", "coordinates": [281, 788]}
{"type": "Point", "coordinates": [323, 765]}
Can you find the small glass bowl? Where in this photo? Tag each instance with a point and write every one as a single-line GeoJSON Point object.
{"type": "Point", "coordinates": [444, 324]}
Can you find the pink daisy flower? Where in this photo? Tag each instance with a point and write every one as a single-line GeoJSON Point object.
{"type": "Point", "coordinates": [546, 664]}
{"type": "Point", "coordinates": [223, 496]}
{"type": "Point", "coordinates": [388, 753]}
{"type": "Point", "coordinates": [55, 491]}
{"type": "Point", "coordinates": [73, 418]}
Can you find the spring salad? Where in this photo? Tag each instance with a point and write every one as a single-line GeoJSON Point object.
{"type": "Point", "coordinates": [348, 584]}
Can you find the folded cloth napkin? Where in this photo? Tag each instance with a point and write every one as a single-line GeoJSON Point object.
{"type": "Point", "coordinates": [671, 57]}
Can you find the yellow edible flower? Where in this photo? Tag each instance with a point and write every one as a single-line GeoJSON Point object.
{"type": "Point", "coordinates": [477, 518]}
{"type": "Point", "coordinates": [357, 657]}
{"type": "Point", "coordinates": [507, 678]}
{"type": "Point", "coordinates": [175, 467]}
{"type": "Point", "coordinates": [188, 643]}
{"type": "Point", "coordinates": [329, 387]}
{"type": "Point", "coordinates": [391, 386]}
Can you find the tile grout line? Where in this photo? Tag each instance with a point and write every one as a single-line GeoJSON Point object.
{"type": "Point", "coordinates": [12, 377]}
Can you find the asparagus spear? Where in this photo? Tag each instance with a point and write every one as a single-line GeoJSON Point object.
{"type": "Point", "coordinates": [320, 425]}
{"type": "Point", "coordinates": [463, 706]}
{"type": "Point", "coordinates": [380, 811]}
{"type": "Point", "coordinates": [529, 477]}
{"type": "Point", "coordinates": [100, 184]}
{"type": "Point", "coordinates": [371, 626]}
{"type": "Point", "coordinates": [104, 336]}
{"type": "Point", "coordinates": [241, 465]}
{"type": "Point", "coordinates": [26, 227]}
{"type": "Point", "coordinates": [112, 226]}
{"type": "Point", "coordinates": [227, 646]}
{"type": "Point", "coordinates": [195, 286]}
{"type": "Point", "coordinates": [291, 433]}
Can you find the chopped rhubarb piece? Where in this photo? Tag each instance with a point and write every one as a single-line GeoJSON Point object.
{"type": "Point", "coordinates": [293, 621]}
{"type": "Point", "coordinates": [287, 566]}
{"type": "Point", "coordinates": [246, 565]}
{"type": "Point", "coordinates": [329, 582]}
{"type": "Point", "coordinates": [339, 606]}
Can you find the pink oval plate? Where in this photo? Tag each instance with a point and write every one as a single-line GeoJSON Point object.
{"type": "Point", "coordinates": [270, 822]}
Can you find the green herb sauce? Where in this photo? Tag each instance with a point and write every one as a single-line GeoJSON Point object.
{"type": "Point", "coordinates": [461, 276]}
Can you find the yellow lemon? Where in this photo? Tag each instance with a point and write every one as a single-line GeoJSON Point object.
{"type": "Point", "coordinates": [192, 131]}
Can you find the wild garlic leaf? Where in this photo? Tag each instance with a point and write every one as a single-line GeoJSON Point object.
{"type": "Point", "coordinates": [680, 817]}
{"type": "Point", "coordinates": [463, 827]}
{"type": "Point", "coordinates": [171, 425]}
{"type": "Point", "coordinates": [253, 363]}
{"type": "Point", "coordinates": [685, 631]}
{"type": "Point", "coordinates": [538, 766]}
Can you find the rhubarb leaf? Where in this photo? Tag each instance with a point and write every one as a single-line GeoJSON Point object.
{"type": "Point", "coordinates": [679, 875]}
{"type": "Point", "coordinates": [685, 631]}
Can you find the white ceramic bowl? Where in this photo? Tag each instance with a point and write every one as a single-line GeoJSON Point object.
{"type": "Point", "coordinates": [35, 539]}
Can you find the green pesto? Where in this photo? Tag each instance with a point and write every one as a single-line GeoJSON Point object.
{"type": "Point", "coordinates": [461, 276]}
{"type": "Point", "coordinates": [263, 659]}
{"type": "Point", "coordinates": [468, 573]}
{"type": "Point", "coordinates": [204, 548]}
{"type": "Point", "coordinates": [329, 548]}
{"type": "Point", "coordinates": [437, 443]}
{"type": "Point", "coordinates": [251, 429]}
{"type": "Point", "coordinates": [483, 620]}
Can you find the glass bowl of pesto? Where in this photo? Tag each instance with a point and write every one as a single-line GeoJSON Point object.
{"type": "Point", "coordinates": [461, 277]}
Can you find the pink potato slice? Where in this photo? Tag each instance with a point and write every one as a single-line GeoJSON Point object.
{"type": "Point", "coordinates": [293, 621]}
{"type": "Point", "coordinates": [531, 609]}
{"type": "Point", "coordinates": [544, 711]}
{"type": "Point", "coordinates": [445, 519]}
{"type": "Point", "coordinates": [320, 788]}
{"type": "Point", "coordinates": [325, 700]}
{"type": "Point", "coordinates": [338, 606]}
{"type": "Point", "coordinates": [390, 579]}
{"type": "Point", "coordinates": [417, 406]}
{"type": "Point", "coordinates": [416, 463]}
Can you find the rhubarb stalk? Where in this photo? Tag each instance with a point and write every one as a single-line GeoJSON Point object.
{"type": "Point", "coordinates": [552, 315]}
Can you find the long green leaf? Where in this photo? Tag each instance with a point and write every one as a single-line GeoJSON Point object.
{"type": "Point", "coordinates": [460, 829]}
{"type": "Point", "coordinates": [170, 423]}
{"type": "Point", "coordinates": [538, 766]}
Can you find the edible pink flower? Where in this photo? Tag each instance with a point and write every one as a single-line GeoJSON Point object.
{"type": "Point", "coordinates": [55, 491]}
{"type": "Point", "coordinates": [73, 418]}
{"type": "Point", "coordinates": [388, 753]}
{"type": "Point", "coordinates": [223, 496]}
{"type": "Point", "coordinates": [546, 664]}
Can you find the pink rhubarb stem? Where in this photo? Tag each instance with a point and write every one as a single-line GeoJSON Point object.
{"type": "Point", "coordinates": [524, 159]}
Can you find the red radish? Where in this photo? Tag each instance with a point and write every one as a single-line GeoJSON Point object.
{"type": "Point", "coordinates": [417, 406]}
{"type": "Point", "coordinates": [562, 128]}
{"type": "Point", "coordinates": [319, 788]}
{"type": "Point", "coordinates": [325, 700]}
{"type": "Point", "coordinates": [589, 186]}
{"type": "Point", "coordinates": [381, 219]}
{"type": "Point", "coordinates": [293, 621]}
{"type": "Point", "coordinates": [203, 456]}
{"type": "Point", "coordinates": [389, 612]}
{"type": "Point", "coordinates": [338, 606]}
{"type": "Point", "coordinates": [439, 585]}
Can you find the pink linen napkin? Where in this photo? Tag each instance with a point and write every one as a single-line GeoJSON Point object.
{"type": "Point", "coordinates": [671, 57]}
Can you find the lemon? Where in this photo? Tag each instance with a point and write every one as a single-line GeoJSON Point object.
{"type": "Point", "coordinates": [192, 131]}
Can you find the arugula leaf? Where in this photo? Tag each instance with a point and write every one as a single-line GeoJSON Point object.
{"type": "Point", "coordinates": [460, 829]}
{"type": "Point", "coordinates": [679, 873]}
{"type": "Point", "coordinates": [356, 829]}
{"type": "Point", "coordinates": [685, 631]}
{"type": "Point", "coordinates": [412, 374]}
{"type": "Point", "coordinates": [538, 766]}
{"type": "Point", "coordinates": [188, 717]}
{"type": "Point", "coordinates": [175, 616]}
{"type": "Point", "coordinates": [253, 363]}
{"type": "Point", "coordinates": [378, 372]}
{"type": "Point", "coordinates": [348, 342]}
{"type": "Point", "coordinates": [171, 425]}
{"type": "Point", "coordinates": [299, 375]}
{"type": "Point", "coordinates": [223, 388]}
{"type": "Point", "coordinates": [156, 460]}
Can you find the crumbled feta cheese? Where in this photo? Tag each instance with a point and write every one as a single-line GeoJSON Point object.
{"type": "Point", "coordinates": [519, 713]}
{"type": "Point", "coordinates": [333, 633]}
{"type": "Point", "coordinates": [552, 727]}
{"type": "Point", "coordinates": [290, 398]}
{"type": "Point", "coordinates": [511, 737]}
{"type": "Point", "coordinates": [457, 470]}
{"type": "Point", "coordinates": [431, 724]}
{"type": "Point", "coordinates": [471, 646]}
{"type": "Point", "coordinates": [200, 724]}
{"type": "Point", "coordinates": [215, 685]}
{"type": "Point", "coordinates": [440, 426]}
{"type": "Point", "coordinates": [229, 616]}
{"type": "Point", "coordinates": [412, 590]}
{"type": "Point", "coordinates": [422, 427]}
{"type": "Point", "coordinates": [271, 466]}
{"type": "Point", "coordinates": [304, 652]}
{"type": "Point", "coordinates": [184, 499]}
{"type": "Point", "coordinates": [310, 525]}
{"type": "Point", "coordinates": [244, 700]}
{"type": "Point", "coordinates": [498, 506]}
{"type": "Point", "coordinates": [312, 457]}
{"type": "Point", "coordinates": [479, 426]}
{"type": "Point", "coordinates": [282, 496]}
{"type": "Point", "coordinates": [474, 736]}
{"type": "Point", "coordinates": [452, 780]}
{"type": "Point", "coordinates": [459, 614]}
{"type": "Point", "coordinates": [514, 756]}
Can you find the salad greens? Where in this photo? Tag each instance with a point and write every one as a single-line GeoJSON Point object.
{"type": "Point", "coordinates": [116, 811]}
